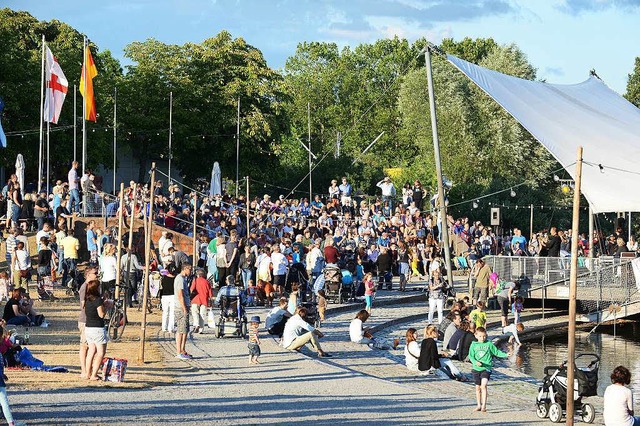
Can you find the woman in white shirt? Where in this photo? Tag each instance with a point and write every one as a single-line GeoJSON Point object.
{"type": "Point", "coordinates": [108, 268]}
{"type": "Point", "coordinates": [412, 350]}
{"type": "Point", "coordinates": [358, 333]}
{"type": "Point", "coordinates": [618, 400]}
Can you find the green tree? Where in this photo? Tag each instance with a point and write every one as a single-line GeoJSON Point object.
{"type": "Point", "coordinates": [633, 85]}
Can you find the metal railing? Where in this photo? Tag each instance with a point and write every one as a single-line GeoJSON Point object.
{"type": "Point", "coordinates": [95, 204]}
{"type": "Point", "coordinates": [601, 281]}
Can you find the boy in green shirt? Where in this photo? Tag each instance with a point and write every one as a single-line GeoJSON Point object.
{"type": "Point", "coordinates": [478, 315]}
{"type": "Point", "coordinates": [481, 354]}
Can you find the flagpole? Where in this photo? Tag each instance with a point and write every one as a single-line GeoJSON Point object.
{"type": "Point", "coordinates": [238, 150]}
{"type": "Point", "coordinates": [170, 133]}
{"type": "Point", "coordinates": [75, 123]}
{"type": "Point", "coordinates": [47, 188]}
{"type": "Point", "coordinates": [115, 141]}
{"type": "Point", "coordinates": [84, 106]}
{"type": "Point", "coordinates": [41, 120]}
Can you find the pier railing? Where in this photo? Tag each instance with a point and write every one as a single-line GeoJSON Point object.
{"type": "Point", "coordinates": [602, 282]}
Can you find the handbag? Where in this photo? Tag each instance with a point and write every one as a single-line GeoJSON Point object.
{"type": "Point", "coordinates": [211, 318]}
{"type": "Point", "coordinates": [113, 369]}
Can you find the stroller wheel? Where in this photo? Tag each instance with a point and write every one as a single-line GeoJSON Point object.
{"type": "Point", "coordinates": [588, 413]}
{"type": "Point", "coordinates": [555, 412]}
{"type": "Point", "coordinates": [542, 409]}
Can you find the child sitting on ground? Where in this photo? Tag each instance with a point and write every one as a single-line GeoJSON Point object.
{"type": "Point", "coordinates": [4, 285]}
{"type": "Point", "coordinates": [254, 340]}
{"type": "Point", "coordinates": [517, 308]}
{"type": "Point", "coordinates": [478, 315]}
{"type": "Point", "coordinates": [322, 304]}
{"type": "Point", "coordinates": [481, 354]}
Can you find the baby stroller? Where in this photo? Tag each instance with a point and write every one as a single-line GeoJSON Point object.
{"type": "Point", "coordinates": [313, 317]}
{"type": "Point", "coordinates": [298, 274]}
{"type": "Point", "coordinates": [552, 396]}
{"type": "Point", "coordinates": [333, 288]}
{"type": "Point", "coordinates": [233, 318]}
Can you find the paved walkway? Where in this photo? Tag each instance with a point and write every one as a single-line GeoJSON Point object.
{"type": "Point", "coordinates": [357, 386]}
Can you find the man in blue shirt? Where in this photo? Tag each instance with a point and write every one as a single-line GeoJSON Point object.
{"type": "Point", "coordinates": [345, 194]}
{"type": "Point", "coordinates": [519, 239]}
{"type": "Point", "coordinates": [92, 243]}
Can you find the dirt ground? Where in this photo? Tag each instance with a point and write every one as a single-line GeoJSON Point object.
{"type": "Point", "coordinates": [58, 345]}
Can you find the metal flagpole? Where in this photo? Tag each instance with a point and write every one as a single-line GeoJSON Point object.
{"type": "Point", "coordinates": [629, 239]}
{"type": "Point", "coordinates": [248, 207]}
{"type": "Point", "coordinates": [48, 128]}
{"type": "Point", "coordinates": [41, 120]}
{"type": "Point", "coordinates": [170, 133]}
{"type": "Point", "coordinates": [436, 152]}
{"type": "Point", "coordinates": [309, 146]}
{"type": "Point", "coordinates": [194, 261]}
{"type": "Point", "coordinates": [238, 150]}
{"type": "Point", "coordinates": [75, 123]}
{"type": "Point", "coordinates": [84, 106]}
{"type": "Point", "coordinates": [573, 285]}
{"type": "Point", "coordinates": [115, 140]}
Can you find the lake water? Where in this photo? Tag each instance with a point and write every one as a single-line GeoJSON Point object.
{"type": "Point", "coordinates": [624, 350]}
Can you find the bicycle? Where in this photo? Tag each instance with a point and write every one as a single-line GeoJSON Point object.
{"type": "Point", "coordinates": [117, 315]}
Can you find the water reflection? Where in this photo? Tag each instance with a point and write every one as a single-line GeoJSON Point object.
{"type": "Point", "coordinates": [532, 357]}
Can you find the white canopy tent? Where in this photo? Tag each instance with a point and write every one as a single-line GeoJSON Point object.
{"type": "Point", "coordinates": [563, 117]}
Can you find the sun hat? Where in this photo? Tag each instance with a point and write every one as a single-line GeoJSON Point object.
{"type": "Point", "coordinates": [255, 318]}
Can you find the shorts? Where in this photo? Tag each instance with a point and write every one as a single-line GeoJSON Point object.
{"type": "Point", "coordinates": [279, 280]}
{"type": "Point", "coordinates": [479, 375]}
{"type": "Point", "coordinates": [83, 338]}
{"type": "Point", "coordinates": [95, 335]}
{"type": "Point", "coordinates": [503, 303]}
{"type": "Point", "coordinates": [182, 320]}
{"type": "Point", "coordinates": [368, 300]}
{"type": "Point", "coordinates": [480, 293]}
{"type": "Point", "coordinates": [254, 349]}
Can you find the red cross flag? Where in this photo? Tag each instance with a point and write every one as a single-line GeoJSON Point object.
{"type": "Point", "coordinates": [57, 85]}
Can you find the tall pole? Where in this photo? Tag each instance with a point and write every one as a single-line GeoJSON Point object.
{"type": "Point", "coordinates": [147, 260]}
{"type": "Point", "coordinates": [436, 152]}
{"type": "Point", "coordinates": [170, 133]}
{"type": "Point", "coordinates": [309, 146]}
{"type": "Point", "coordinates": [573, 285]}
{"type": "Point", "coordinates": [84, 106]}
{"type": "Point", "coordinates": [48, 135]}
{"type": "Point", "coordinates": [238, 150]}
{"type": "Point", "coordinates": [75, 123]}
{"type": "Point", "coordinates": [629, 239]}
{"type": "Point", "coordinates": [119, 251]}
{"type": "Point", "coordinates": [41, 120]}
{"type": "Point", "coordinates": [115, 137]}
{"type": "Point", "coordinates": [590, 232]}
{"type": "Point", "coordinates": [195, 231]}
{"type": "Point", "coordinates": [248, 206]}
{"type": "Point", "coordinates": [531, 225]}
{"type": "Point", "coordinates": [130, 242]}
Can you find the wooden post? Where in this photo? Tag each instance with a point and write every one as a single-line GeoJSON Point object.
{"type": "Point", "coordinates": [195, 231]}
{"type": "Point", "coordinates": [573, 284]}
{"type": "Point", "coordinates": [130, 242]}
{"type": "Point", "coordinates": [119, 250]}
{"type": "Point", "coordinates": [531, 225]}
{"type": "Point", "coordinates": [147, 260]}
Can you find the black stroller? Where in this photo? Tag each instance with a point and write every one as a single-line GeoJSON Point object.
{"type": "Point", "coordinates": [552, 396]}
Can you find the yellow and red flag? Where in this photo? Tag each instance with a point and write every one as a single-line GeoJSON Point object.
{"type": "Point", "coordinates": [90, 71]}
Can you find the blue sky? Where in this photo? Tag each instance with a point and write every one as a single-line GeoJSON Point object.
{"type": "Point", "coordinates": [563, 39]}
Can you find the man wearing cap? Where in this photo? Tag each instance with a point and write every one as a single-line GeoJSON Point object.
{"type": "Point", "coordinates": [388, 190]}
{"type": "Point", "coordinates": [41, 209]}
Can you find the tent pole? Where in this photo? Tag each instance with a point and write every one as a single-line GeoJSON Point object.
{"type": "Point", "coordinates": [442, 209]}
{"type": "Point", "coordinates": [573, 284]}
{"type": "Point", "coordinates": [590, 232]}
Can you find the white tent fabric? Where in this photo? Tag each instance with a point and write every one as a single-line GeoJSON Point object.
{"type": "Point", "coordinates": [563, 117]}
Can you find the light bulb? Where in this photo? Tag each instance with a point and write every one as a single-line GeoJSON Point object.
{"type": "Point", "coordinates": [475, 205]}
{"type": "Point", "coordinates": [512, 193]}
